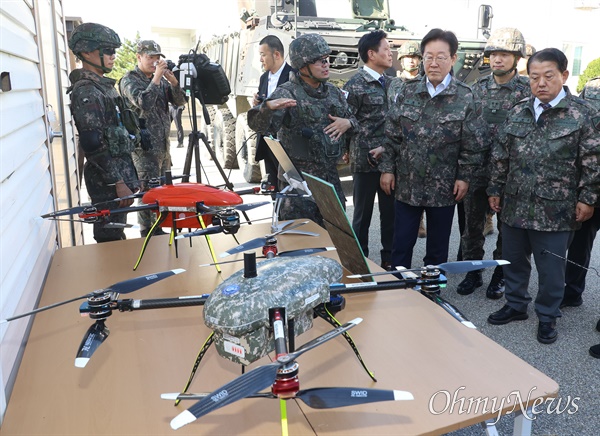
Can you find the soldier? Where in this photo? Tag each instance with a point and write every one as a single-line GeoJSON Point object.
{"type": "Point", "coordinates": [436, 140]}
{"type": "Point", "coordinates": [311, 118]}
{"type": "Point", "coordinates": [498, 93]}
{"type": "Point", "coordinates": [149, 89]}
{"type": "Point", "coordinates": [367, 97]}
{"type": "Point", "coordinates": [546, 169]}
{"type": "Point", "coordinates": [410, 59]}
{"type": "Point", "coordinates": [277, 72]}
{"type": "Point", "coordinates": [101, 116]}
{"type": "Point", "coordinates": [522, 65]}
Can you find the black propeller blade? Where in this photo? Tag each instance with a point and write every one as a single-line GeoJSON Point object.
{"type": "Point", "coordinates": [462, 266]}
{"type": "Point", "coordinates": [321, 398]}
{"type": "Point", "coordinates": [251, 382]}
{"type": "Point", "coordinates": [328, 398]}
{"type": "Point", "coordinates": [94, 337]}
{"type": "Point", "coordinates": [258, 242]}
{"type": "Point", "coordinates": [123, 287]}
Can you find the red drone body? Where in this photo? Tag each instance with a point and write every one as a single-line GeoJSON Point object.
{"type": "Point", "coordinates": [182, 199]}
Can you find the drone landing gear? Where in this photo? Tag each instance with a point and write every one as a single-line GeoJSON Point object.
{"type": "Point", "coordinates": [201, 353]}
{"type": "Point", "coordinates": [327, 312]}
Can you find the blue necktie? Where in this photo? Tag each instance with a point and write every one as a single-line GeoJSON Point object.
{"type": "Point", "coordinates": [382, 80]}
{"type": "Point", "coordinates": [545, 106]}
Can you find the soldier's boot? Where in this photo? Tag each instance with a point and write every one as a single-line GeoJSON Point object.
{"type": "Point", "coordinates": [422, 229]}
{"type": "Point", "coordinates": [489, 224]}
{"type": "Point", "coordinates": [495, 289]}
{"type": "Point", "coordinates": [471, 282]}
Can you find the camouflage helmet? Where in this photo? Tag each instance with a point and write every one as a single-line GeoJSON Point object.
{"type": "Point", "coordinates": [88, 37]}
{"type": "Point", "coordinates": [529, 50]}
{"type": "Point", "coordinates": [410, 48]}
{"type": "Point", "coordinates": [307, 49]}
{"type": "Point", "coordinates": [506, 39]}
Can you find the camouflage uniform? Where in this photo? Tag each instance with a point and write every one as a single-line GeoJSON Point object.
{"type": "Point", "coordinates": [432, 142]}
{"type": "Point", "coordinates": [97, 108]}
{"type": "Point", "coordinates": [151, 103]}
{"type": "Point", "coordinates": [496, 100]}
{"type": "Point", "coordinates": [367, 99]}
{"type": "Point", "coordinates": [300, 128]}
{"type": "Point", "coordinates": [580, 250]}
{"type": "Point", "coordinates": [541, 170]}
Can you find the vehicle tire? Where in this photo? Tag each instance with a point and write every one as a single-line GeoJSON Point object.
{"type": "Point", "coordinates": [224, 138]}
{"type": "Point", "coordinates": [245, 145]}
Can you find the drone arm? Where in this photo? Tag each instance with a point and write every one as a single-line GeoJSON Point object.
{"type": "Point", "coordinates": [161, 303]}
{"type": "Point", "coordinates": [341, 288]}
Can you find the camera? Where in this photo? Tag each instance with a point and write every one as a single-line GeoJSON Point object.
{"type": "Point", "coordinates": [170, 64]}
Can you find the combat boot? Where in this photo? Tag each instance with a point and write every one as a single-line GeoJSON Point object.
{"type": "Point", "coordinates": [489, 224]}
{"type": "Point", "coordinates": [422, 229]}
{"type": "Point", "coordinates": [471, 282]}
{"type": "Point", "coordinates": [495, 289]}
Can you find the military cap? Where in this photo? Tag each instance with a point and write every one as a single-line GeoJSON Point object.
{"type": "Point", "coordinates": [410, 48]}
{"type": "Point", "coordinates": [308, 48]}
{"type": "Point", "coordinates": [88, 37]}
{"type": "Point", "coordinates": [506, 39]}
{"type": "Point", "coordinates": [151, 48]}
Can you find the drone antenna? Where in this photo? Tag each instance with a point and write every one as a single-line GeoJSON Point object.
{"type": "Point", "coordinates": [250, 265]}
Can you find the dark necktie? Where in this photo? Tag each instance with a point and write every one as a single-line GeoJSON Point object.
{"type": "Point", "coordinates": [545, 106]}
{"type": "Point", "coordinates": [382, 80]}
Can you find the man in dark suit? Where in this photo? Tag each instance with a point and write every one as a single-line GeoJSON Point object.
{"type": "Point", "coordinates": [277, 71]}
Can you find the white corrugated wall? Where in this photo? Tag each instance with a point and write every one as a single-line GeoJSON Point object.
{"type": "Point", "coordinates": [27, 242]}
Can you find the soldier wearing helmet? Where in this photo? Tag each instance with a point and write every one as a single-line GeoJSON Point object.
{"type": "Point", "coordinates": [311, 118]}
{"type": "Point", "coordinates": [149, 89]}
{"type": "Point", "coordinates": [410, 59]}
{"type": "Point", "coordinates": [522, 65]}
{"type": "Point", "coordinates": [107, 131]}
{"type": "Point", "coordinates": [498, 92]}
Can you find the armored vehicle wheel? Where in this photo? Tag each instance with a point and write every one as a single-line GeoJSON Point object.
{"type": "Point", "coordinates": [245, 145]}
{"type": "Point", "coordinates": [224, 138]}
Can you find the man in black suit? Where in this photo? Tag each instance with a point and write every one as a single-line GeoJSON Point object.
{"type": "Point", "coordinates": [277, 71]}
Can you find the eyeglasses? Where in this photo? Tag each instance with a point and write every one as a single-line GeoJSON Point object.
{"type": "Point", "coordinates": [438, 59]}
{"type": "Point", "coordinates": [108, 51]}
{"type": "Point", "coordinates": [324, 60]}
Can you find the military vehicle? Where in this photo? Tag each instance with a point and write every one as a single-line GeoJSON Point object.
{"type": "Point", "coordinates": [238, 53]}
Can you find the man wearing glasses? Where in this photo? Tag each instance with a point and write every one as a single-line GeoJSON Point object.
{"type": "Point", "coordinates": [437, 139]}
{"type": "Point", "coordinates": [149, 89]}
{"type": "Point", "coordinates": [103, 136]}
{"type": "Point", "coordinates": [311, 118]}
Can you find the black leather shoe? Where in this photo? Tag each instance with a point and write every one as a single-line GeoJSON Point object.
{"type": "Point", "coordinates": [595, 351]}
{"type": "Point", "coordinates": [571, 302]}
{"type": "Point", "coordinates": [495, 289]}
{"type": "Point", "coordinates": [471, 282]}
{"type": "Point", "coordinates": [505, 315]}
{"type": "Point", "coordinates": [547, 333]}
{"type": "Point", "coordinates": [386, 265]}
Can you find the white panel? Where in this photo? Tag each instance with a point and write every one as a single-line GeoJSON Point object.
{"type": "Point", "coordinates": [18, 147]}
{"type": "Point", "coordinates": [18, 12]}
{"type": "Point", "coordinates": [19, 109]}
{"type": "Point", "coordinates": [24, 74]}
{"type": "Point", "coordinates": [14, 41]}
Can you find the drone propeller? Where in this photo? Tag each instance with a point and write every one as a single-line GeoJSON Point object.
{"type": "Point", "coordinates": [123, 287]}
{"type": "Point", "coordinates": [321, 398]}
{"type": "Point", "coordinates": [259, 242]}
{"type": "Point", "coordinates": [252, 382]}
{"type": "Point", "coordinates": [290, 253]}
{"type": "Point", "coordinates": [462, 266]}
{"type": "Point", "coordinates": [93, 338]}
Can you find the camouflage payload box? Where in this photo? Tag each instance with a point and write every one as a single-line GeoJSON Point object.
{"type": "Point", "coordinates": [238, 309]}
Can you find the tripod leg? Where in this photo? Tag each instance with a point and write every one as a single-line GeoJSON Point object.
{"type": "Point", "coordinates": [324, 313]}
{"type": "Point", "coordinates": [201, 354]}
{"type": "Point", "coordinates": [210, 246]}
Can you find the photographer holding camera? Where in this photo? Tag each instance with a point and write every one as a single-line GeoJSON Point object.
{"type": "Point", "coordinates": [149, 89]}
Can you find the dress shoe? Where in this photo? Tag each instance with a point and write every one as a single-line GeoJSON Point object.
{"type": "Point", "coordinates": [571, 302]}
{"type": "Point", "coordinates": [595, 351]}
{"type": "Point", "coordinates": [386, 265]}
{"type": "Point", "coordinates": [547, 333]}
{"type": "Point", "coordinates": [471, 282]}
{"type": "Point", "coordinates": [495, 289]}
{"type": "Point", "coordinates": [506, 315]}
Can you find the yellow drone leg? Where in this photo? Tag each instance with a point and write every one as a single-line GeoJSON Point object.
{"type": "Point", "coordinates": [158, 222]}
{"type": "Point", "coordinates": [284, 421]}
{"type": "Point", "coordinates": [210, 246]}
